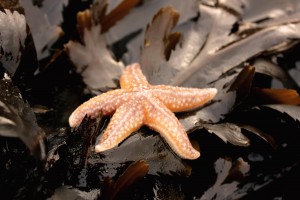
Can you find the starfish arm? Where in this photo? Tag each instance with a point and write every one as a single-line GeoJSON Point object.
{"type": "Point", "coordinates": [104, 104]}
{"type": "Point", "coordinates": [127, 119]}
{"type": "Point", "coordinates": [179, 99]}
{"type": "Point", "coordinates": [162, 120]}
{"type": "Point", "coordinates": [133, 77]}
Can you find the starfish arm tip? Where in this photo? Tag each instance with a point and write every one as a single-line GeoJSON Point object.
{"type": "Point", "coordinates": [72, 121]}
{"type": "Point", "coordinates": [195, 154]}
{"type": "Point", "coordinates": [191, 154]}
{"type": "Point", "coordinates": [99, 148]}
{"type": "Point", "coordinates": [213, 91]}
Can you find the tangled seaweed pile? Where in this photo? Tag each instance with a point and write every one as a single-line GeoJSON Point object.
{"type": "Point", "coordinates": [57, 54]}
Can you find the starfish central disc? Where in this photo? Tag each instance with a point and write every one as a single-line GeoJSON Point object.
{"type": "Point", "coordinates": [138, 103]}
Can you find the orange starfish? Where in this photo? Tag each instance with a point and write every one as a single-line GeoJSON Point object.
{"type": "Point", "coordinates": [138, 103]}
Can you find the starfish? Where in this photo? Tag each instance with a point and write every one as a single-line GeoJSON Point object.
{"type": "Point", "coordinates": [138, 103]}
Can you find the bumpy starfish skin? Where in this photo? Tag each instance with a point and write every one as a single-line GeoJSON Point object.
{"type": "Point", "coordinates": [138, 103]}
